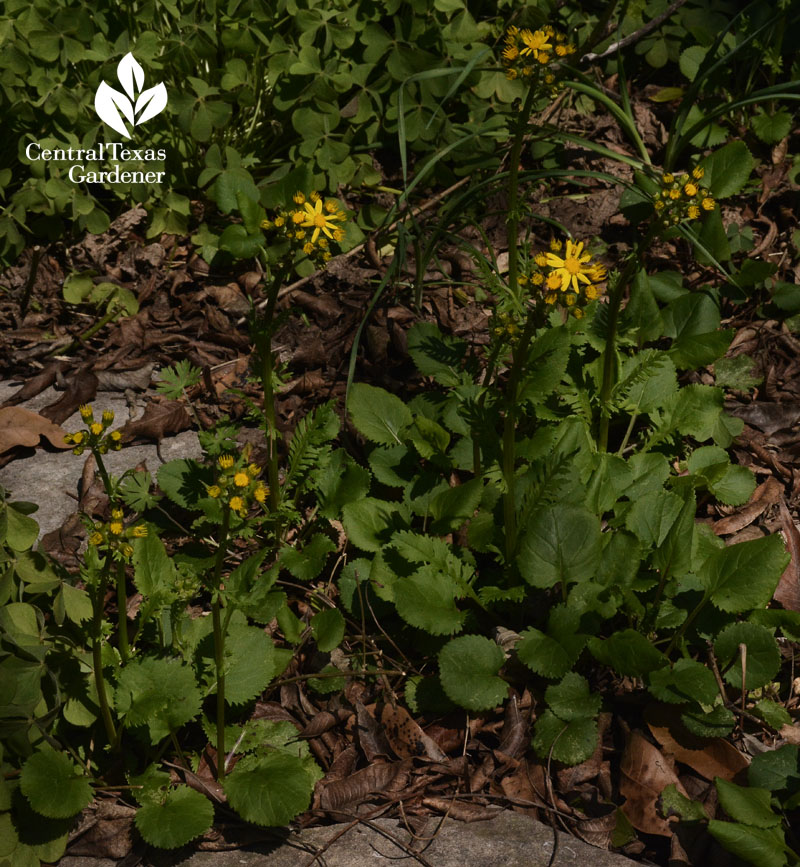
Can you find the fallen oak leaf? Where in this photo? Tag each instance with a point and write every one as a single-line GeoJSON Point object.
{"type": "Point", "coordinates": [80, 389]}
{"type": "Point", "coordinates": [765, 495]}
{"type": "Point", "coordinates": [21, 427]}
{"type": "Point", "coordinates": [159, 420]}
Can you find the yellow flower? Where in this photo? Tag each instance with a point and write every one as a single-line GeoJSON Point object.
{"type": "Point", "coordinates": [708, 204]}
{"type": "Point", "coordinates": [658, 205]}
{"type": "Point", "coordinates": [308, 248]}
{"type": "Point", "coordinates": [214, 491]}
{"type": "Point", "coordinates": [299, 198]}
{"type": "Point", "coordinates": [86, 412]}
{"type": "Point", "coordinates": [319, 222]}
{"type": "Point", "coordinates": [108, 417]}
{"type": "Point", "coordinates": [241, 480]}
{"type": "Point", "coordinates": [279, 221]}
{"type": "Point", "coordinates": [510, 53]}
{"type": "Point", "coordinates": [298, 216]}
{"type": "Point", "coordinates": [561, 50]}
{"type": "Point", "coordinates": [591, 292]}
{"type": "Point", "coordinates": [698, 172]}
{"type": "Point", "coordinates": [116, 436]}
{"type": "Point", "coordinates": [237, 504]}
{"type": "Point", "coordinates": [96, 428]}
{"type": "Point", "coordinates": [117, 513]}
{"type": "Point", "coordinates": [534, 42]}
{"type": "Point", "coordinates": [115, 528]}
{"type": "Point", "coordinates": [537, 279]}
{"type": "Point", "coordinates": [300, 234]}
{"type": "Point", "coordinates": [555, 246]}
{"type": "Point", "coordinates": [693, 212]}
{"type": "Point", "coordinates": [573, 268]}
{"type": "Point", "coordinates": [690, 189]}
{"type": "Point", "coordinates": [338, 235]}
{"type": "Point", "coordinates": [553, 281]}
{"type": "Point", "coordinates": [550, 298]}
{"type": "Point", "coordinates": [139, 531]}
{"type": "Point", "coordinates": [96, 539]}
{"type": "Point", "coordinates": [253, 470]}
{"type": "Point", "coordinates": [127, 550]}
{"type": "Point", "coordinates": [77, 437]}
{"type": "Point", "coordinates": [540, 259]}
{"type": "Point", "coordinates": [543, 57]}
{"type": "Point", "coordinates": [225, 461]}
{"type": "Point", "coordinates": [668, 178]}
{"type": "Point", "coordinates": [260, 493]}
{"type": "Point", "coordinates": [674, 194]}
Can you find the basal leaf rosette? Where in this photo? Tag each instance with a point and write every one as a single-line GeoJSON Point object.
{"type": "Point", "coordinates": [309, 227]}
{"type": "Point", "coordinates": [95, 436]}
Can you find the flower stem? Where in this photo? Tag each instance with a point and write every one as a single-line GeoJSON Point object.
{"type": "Point", "coordinates": [512, 226]}
{"type": "Point", "coordinates": [97, 658]}
{"type": "Point", "coordinates": [101, 468]}
{"type": "Point", "coordinates": [219, 642]}
{"type": "Point", "coordinates": [122, 613]}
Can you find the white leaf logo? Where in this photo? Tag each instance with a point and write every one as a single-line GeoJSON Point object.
{"type": "Point", "coordinates": [114, 108]}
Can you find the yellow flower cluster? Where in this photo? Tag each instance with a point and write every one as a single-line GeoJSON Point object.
{"type": "Point", "coordinates": [115, 537]}
{"type": "Point", "coordinates": [682, 198]}
{"type": "Point", "coordinates": [94, 437]}
{"type": "Point", "coordinates": [528, 54]}
{"type": "Point", "coordinates": [309, 227]}
{"type": "Point", "coordinates": [571, 280]}
{"type": "Point", "coordinates": [237, 485]}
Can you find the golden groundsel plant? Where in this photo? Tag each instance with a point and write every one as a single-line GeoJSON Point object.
{"type": "Point", "coordinates": [309, 227]}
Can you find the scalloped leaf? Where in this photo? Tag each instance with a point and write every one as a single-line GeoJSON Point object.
{"type": "Point", "coordinates": [571, 742]}
{"type": "Point", "coordinates": [269, 790]}
{"type": "Point", "coordinates": [468, 668]}
{"type": "Point", "coordinates": [426, 600]}
{"type": "Point", "coordinates": [377, 414]}
{"type": "Point", "coordinates": [181, 815]}
{"type": "Point", "coordinates": [53, 785]}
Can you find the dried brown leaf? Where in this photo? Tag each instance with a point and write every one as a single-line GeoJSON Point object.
{"type": "Point", "coordinates": [370, 735]}
{"type": "Point", "coordinates": [717, 758]}
{"type": "Point", "coordinates": [159, 420]}
{"type": "Point", "coordinates": [788, 590]}
{"type": "Point", "coordinates": [766, 494]}
{"type": "Point", "coordinates": [644, 774]}
{"type": "Point", "coordinates": [463, 811]}
{"type": "Point", "coordinates": [405, 737]}
{"type": "Point", "coordinates": [21, 427]}
{"type": "Point", "coordinates": [377, 778]}
{"type": "Point", "coordinates": [79, 389]}
{"type": "Point", "coordinates": [37, 384]}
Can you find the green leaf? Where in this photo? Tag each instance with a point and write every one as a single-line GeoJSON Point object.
{"type": "Point", "coordinates": [687, 680]}
{"type": "Point", "coordinates": [775, 715]}
{"type": "Point", "coordinates": [77, 603]}
{"type": "Point", "coordinates": [340, 481]}
{"type": "Point", "coordinates": [561, 545]}
{"type": "Point", "coordinates": [370, 523]}
{"type": "Point", "coordinates": [176, 379]}
{"type": "Point", "coordinates": [553, 654]}
{"type": "Point", "coordinates": [651, 518]}
{"type": "Point", "coordinates": [153, 571]}
{"type": "Point", "coordinates": [307, 562]}
{"type": "Point", "coordinates": [328, 629]}
{"type": "Point", "coordinates": [771, 128]}
{"type": "Point", "coordinates": [628, 652]}
{"type": "Point", "coordinates": [21, 531]}
{"type": "Point", "coordinates": [691, 59]}
{"type": "Point", "coordinates": [744, 576]}
{"type": "Point", "coordinates": [571, 742]}
{"type": "Point", "coordinates": [159, 693]}
{"type": "Point", "coordinates": [571, 699]}
{"type": "Point", "coordinates": [435, 354]}
{"type": "Point", "coordinates": [728, 169]}
{"type": "Point", "coordinates": [269, 790]}
{"type": "Point", "coordinates": [426, 600]}
{"type": "Point", "coordinates": [251, 662]}
{"type": "Point", "coordinates": [468, 668]}
{"type": "Point", "coordinates": [181, 815]}
{"type": "Point", "coordinates": [184, 481]}
{"type": "Point", "coordinates": [763, 655]}
{"type": "Point", "coordinates": [135, 491]}
{"type": "Point", "coordinates": [757, 846]}
{"type": "Point", "coordinates": [672, 803]}
{"type": "Point", "coordinates": [747, 804]}
{"type": "Point", "coordinates": [716, 724]}
{"type": "Point", "coordinates": [775, 769]}
{"type": "Point", "coordinates": [377, 414]}
{"type": "Point", "coordinates": [53, 785]}
{"type": "Point", "coordinates": [451, 507]}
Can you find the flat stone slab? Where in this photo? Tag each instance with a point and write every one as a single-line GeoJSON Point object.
{"type": "Point", "coordinates": [50, 478]}
{"type": "Point", "coordinates": [509, 840]}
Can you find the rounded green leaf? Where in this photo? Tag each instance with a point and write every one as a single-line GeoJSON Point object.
{"type": "Point", "coordinates": [758, 846]}
{"type": "Point", "coordinates": [54, 786]}
{"type": "Point", "coordinates": [571, 699]}
{"type": "Point", "coordinates": [687, 680]}
{"type": "Point", "coordinates": [747, 804]}
{"type": "Point", "coordinates": [328, 629]}
{"type": "Point", "coordinates": [269, 790]}
{"type": "Point", "coordinates": [571, 742]}
{"type": "Point", "coordinates": [628, 652]}
{"type": "Point", "coordinates": [377, 414]}
{"type": "Point", "coordinates": [179, 817]}
{"type": "Point", "coordinates": [561, 544]}
{"type": "Point", "coordinates": [468, 668]}
{"type": "Point", "coordinates": [761, 656]}
{"type": "Point", "coordinates": [716, 724]}
{"type": "Point", "coordinates": [426, 600]}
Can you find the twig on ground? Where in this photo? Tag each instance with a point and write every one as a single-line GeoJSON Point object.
{"type": "Point", "coordinates": [636, 36]}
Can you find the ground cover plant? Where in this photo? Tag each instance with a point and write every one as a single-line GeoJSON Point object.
{"type": "Point", "coordinates": [491, 516]}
